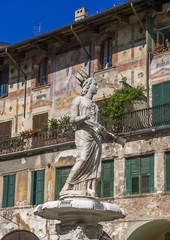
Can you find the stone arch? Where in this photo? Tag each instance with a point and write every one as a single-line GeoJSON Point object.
{"type": "Point", "coordinates": [20, 235]}
{"type": "Point", "coordinates": [154, 230]}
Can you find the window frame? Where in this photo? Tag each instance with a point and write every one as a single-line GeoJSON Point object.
{"type": "Point", "coordinates": [59, 184]}
{"type": "Point", "coordinates": [8, 128]}
{"type": "Point", "coordinates": [139, 175]}
{"type": "Point", "coordinates": [109, 178]}
{"type": "Point", "coordinates": [167, 166]}
{"type": "Point", "coordinates": [43, 70]}
{"type": "Point", "coordinates": [106, 53]}
{"type": "Point", "coordinates": [39, 123]}
{"type": "Point", "coordinates": [8, 195]}
{"type": "Point", "coordinates": [37, 194]}
{"type": "Point", "coordinates": [4, 81]}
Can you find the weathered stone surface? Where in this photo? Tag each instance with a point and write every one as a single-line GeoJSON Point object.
{"type": "Point", "coordinates": [74, 211]}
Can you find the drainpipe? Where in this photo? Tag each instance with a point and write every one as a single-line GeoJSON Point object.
{"type": "Point", "coordinates": [79, 41]}
{"type": "Point", "coordinates": [25, 76]}
{"type": "Point", "coordinates": [134, 10]}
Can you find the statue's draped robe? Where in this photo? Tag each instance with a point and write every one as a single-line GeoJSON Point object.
{"type": "Point", "coordinates": [88, 143]}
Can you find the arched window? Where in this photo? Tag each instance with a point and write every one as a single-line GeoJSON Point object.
{"type": "Point", "coordinates": [106, 54]}
{"type": "Point", "coordinates": [43, 72]}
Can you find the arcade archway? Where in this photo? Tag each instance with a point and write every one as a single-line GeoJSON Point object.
{"type": "Point", "coordinates": [155, 230]}
{"type": "Point", "coordinates": [20, 235]}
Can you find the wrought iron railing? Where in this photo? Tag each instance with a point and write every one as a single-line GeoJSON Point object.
{"type": "Point", "coordinates": [36, 140]}
{"type": "Point", "coordinates": [140, 119]}
{"type": "Point", "coordinates": [128, 122]}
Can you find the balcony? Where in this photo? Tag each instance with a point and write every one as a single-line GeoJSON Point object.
{"type": "Point", "coordinates": [40, 140]}
{"type": "Point", "coordinates": [129, 122]}
{"type": "Point", "coordinates": [140, 119]}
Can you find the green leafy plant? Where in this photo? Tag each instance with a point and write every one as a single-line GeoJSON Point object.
{"type": "Point", "coordinates": [159, 48]}
{"type": "Point", "coordinates": [114, 107]}
{"type": "Point", "coordinates": [62, 125]}
{"type": "Point", "coordinates": [14, 142]}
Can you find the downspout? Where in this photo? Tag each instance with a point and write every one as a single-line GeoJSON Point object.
{"type": "Point", "coordinates": [134, 10]}
{"type": "Point", "coordinates": [79, 41]}
{"type": "Point", "coordinates": [147, 55]}
{"type": "Point", "coordinates": [25, 76]}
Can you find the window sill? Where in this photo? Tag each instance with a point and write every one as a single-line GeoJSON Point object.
{"type": "Point", "coordinates": [1, 97]}
{"type": "Point", "coordinates": [37, 88]}
{"type": "Point", "coordinates": [104, 70]}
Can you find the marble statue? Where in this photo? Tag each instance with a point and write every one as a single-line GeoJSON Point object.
{"type": "Point", "coordinates": [86, 171]}
{"type": "Point", "coordinates": [84, 175]}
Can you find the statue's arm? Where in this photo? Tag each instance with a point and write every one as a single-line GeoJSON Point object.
{"type": "Point", "coordinates": [75, 112]}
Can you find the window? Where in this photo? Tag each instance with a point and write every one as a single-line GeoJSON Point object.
{"type": "Point", "coordinates": [39, 119]}
{"type": "Point", "coordinates": [106, 54]}
{"type": "Point", "coordinates": [168, 172]}
{"type": "Point", "coordinates": [43, 72]}
{"type": "Point", "coordinates": [140, 175]}
{"type": "Point", "coordinates": [106, 182]}
{"type": "Point", "coordinates": [8, 191]}
{"type": "Point", "coordinates": [4, 78]}
{"type": "Point", "coordinates": [161, 96]}
{"type": "Point", "coordinates": [37, 186]}
{"type": "Point", "coordinates": [5, 131]}
{"type": "Point", "coordinates": [62, 174]}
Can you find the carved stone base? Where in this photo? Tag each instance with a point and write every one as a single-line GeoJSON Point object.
{"type": "Point", "coordinates": [79, 231]}
{"type": "Point", "coordinates": [79, 217]}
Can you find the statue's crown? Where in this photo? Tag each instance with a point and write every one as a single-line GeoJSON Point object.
{"type": "Point", "coordinates": [83, 77]}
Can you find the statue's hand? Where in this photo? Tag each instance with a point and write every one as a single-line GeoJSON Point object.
{"type": "Point", "coordinates": [88, 115]}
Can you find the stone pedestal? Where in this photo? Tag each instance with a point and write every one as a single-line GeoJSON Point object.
{"type": "Point", "coordinates": [79, 217]}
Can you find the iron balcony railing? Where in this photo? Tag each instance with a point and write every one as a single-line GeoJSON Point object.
{"type": "Point", "coordinates": [140, 119]}
{"type": "Point", "coordinates": [128, 122]}
{"type": "Point", "coordinates": [36, 140]}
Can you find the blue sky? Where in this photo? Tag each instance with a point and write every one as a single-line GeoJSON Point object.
{"type": "Point", "coordinates": [19, 18]}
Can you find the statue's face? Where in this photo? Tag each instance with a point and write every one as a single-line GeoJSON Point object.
{"type": "Point", "coordinates": [93, 87]}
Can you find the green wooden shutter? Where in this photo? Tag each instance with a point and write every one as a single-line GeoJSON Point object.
{"type": "Point", "coordinates": [62, 174]}
{"type": "Point", "coordinates": [168, 172]}
{"type": "Point", "coordinates": [11, 190]}
{"type": "Point", "coordinates": [40, 179]}
{"type": "Point", "coordinates": [5, 191]}
{"type": "Point", "coordinates": [166, 92]}
{"type": "Point", "coordinates": [157, 99]}
{"type": "Point", "coordinates": [156, 95]}
{"type": "Point", "coordinates": [5, 79]}
{"type": "Point", "coordinates": [135, 175]}
{"type": "Point", "coordinates": [107, 179]}
{"type": "Point", "coordinates": [145, 175]}
{"type": "Point", "coordinates": [128, 176]}
{"type": "Point", "coordinates": [149, 34]}
{"type": "Point", "coordinates": [151, 178]}
{"type": "Point", "coordinates": [145, 165]}
{"type": "Point", "coordinates": [32, 187]}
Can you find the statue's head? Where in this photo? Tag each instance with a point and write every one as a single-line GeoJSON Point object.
{"type": "Point", "coordinates": [89, 85]}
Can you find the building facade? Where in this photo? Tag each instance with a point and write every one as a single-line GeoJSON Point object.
{"type": "Point", "coordinates": [124, 45]}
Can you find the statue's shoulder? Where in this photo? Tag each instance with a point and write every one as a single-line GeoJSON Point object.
{"type": "Point", "coordinates": [77, 100]}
